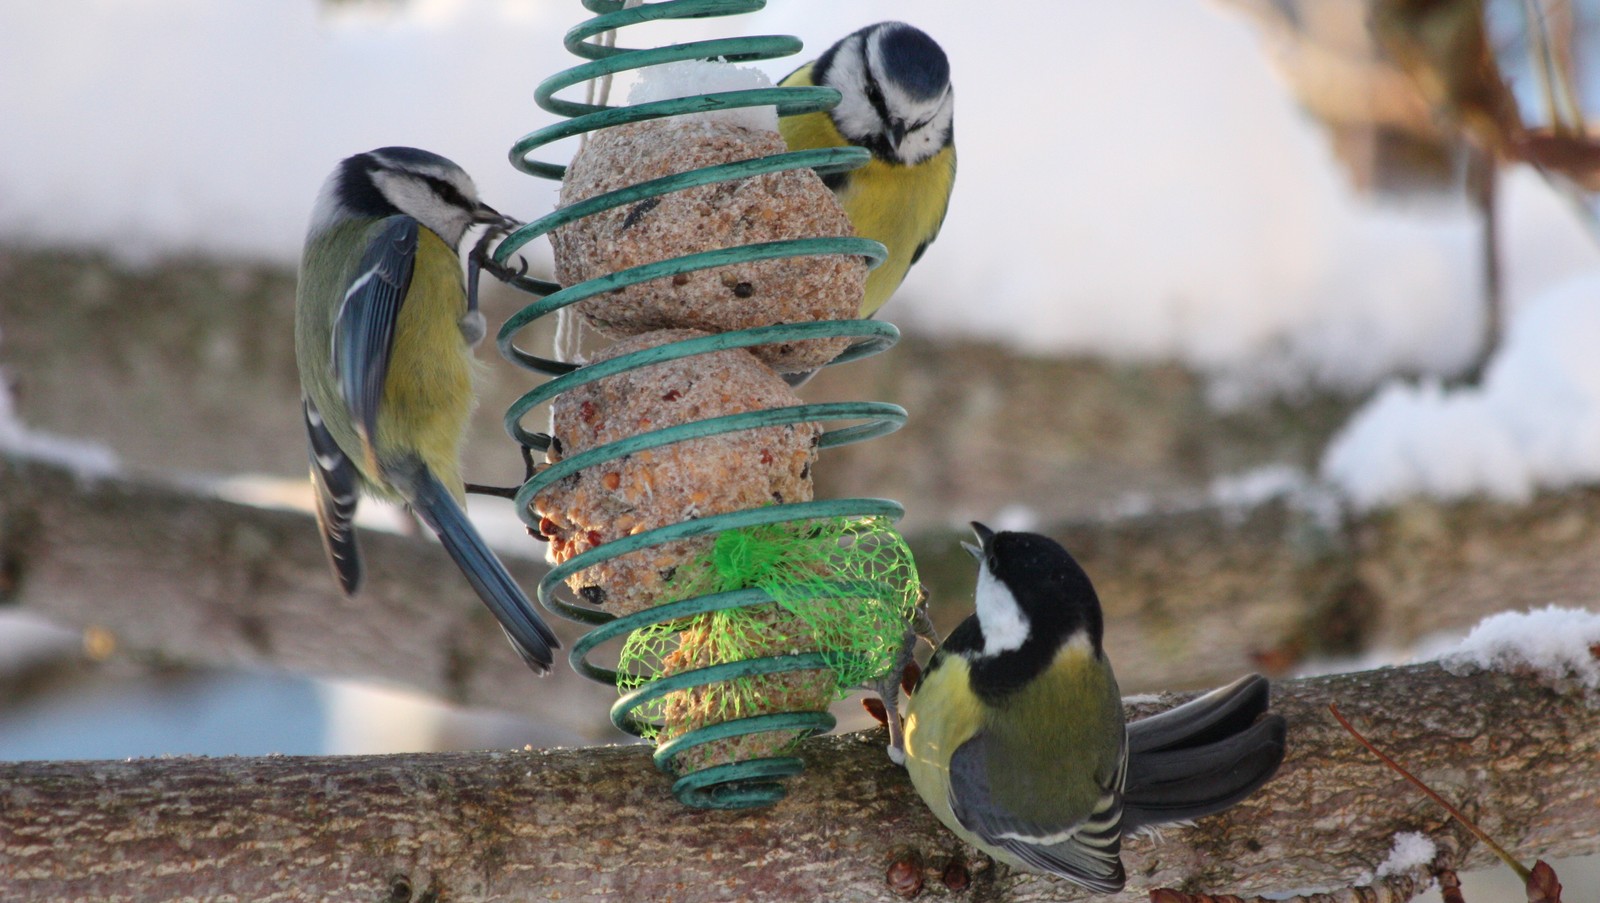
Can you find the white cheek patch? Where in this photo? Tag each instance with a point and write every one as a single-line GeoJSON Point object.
{"type": "Point", "coordinates": [1078, 643]}
{"type": "Point", "coordinates": [854, 116]}
{"type": "Point", "coordinates": [416, 200]}
{"type": "Point", "coordinates": [1005, 627]}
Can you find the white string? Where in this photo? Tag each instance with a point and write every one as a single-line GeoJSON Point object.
{"type": "Point", "coordinates": [568, 342]}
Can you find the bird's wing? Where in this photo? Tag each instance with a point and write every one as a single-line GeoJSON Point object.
{"type": "Point", "coordinates": [800, 76]}
{"type": "Point", "coordinates": [337, 484]}
{"type": "Point", "coordinates": [364, 329]}
{"type": "Point", "coordinates": [1086, 850]}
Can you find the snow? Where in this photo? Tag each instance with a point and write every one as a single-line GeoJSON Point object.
{"type": "Point", "coordinates": [1426, 648]}
{"type": "Point", "coordinates": [88, 460]}
{"type": "Point", "coordinates": [1257, 486]}
{"type": "Point", "coordinates": [1411, 851]}
{"type": "Point", "coordinates": [1238, 494]}
{"type": "Point", "coordinates": [1172, 202]}
{"type": "Point", "coordinates": [690, 77]}
{"type": "Point", "coordinates": [1169, 203]}
{"type": "Point", "coordinates": [1560, 644]}
{"type": "Point", "coordinates": [1534, 423]}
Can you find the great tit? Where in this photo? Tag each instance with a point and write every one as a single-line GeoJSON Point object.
{"type": "Point", "coordinates": [897, 102]}
{"type": "Point", "coordinates": [1015, 735]}
{"type": "Point", "coordinates": [385, 322]}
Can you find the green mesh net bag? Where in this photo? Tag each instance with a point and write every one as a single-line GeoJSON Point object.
{"type": "Point", "coordinates": [844, 588]}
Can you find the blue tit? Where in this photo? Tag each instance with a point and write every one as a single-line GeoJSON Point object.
{"type": "Point", "coordinates": [1015, 735]}
{"type": "Point", "coordinates": [896, 102]}
{"type": "Point", "coordinates": [385, 322]}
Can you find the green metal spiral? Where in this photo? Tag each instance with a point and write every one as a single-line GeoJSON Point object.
{"type": "Point", "coordinates": [739, 784]}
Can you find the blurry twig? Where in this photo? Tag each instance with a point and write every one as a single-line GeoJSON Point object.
{"type": "Point", "coordinates": [1550, 27]}
{"type": "Point", "coordinates": [1540, 880]}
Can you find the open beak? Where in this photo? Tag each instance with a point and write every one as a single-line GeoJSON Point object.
{"type": "Point", "coordinates": [985, 542]}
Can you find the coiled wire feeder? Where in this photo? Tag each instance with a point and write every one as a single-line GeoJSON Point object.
{"type": "Point", "coordinates": [746, 783]}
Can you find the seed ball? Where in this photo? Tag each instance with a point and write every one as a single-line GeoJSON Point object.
{"type": "Point", "coordinates": [764, 208]}
{"type": "Point", "coordinates": [661, 486]}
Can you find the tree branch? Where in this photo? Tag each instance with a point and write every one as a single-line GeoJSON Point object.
{"type": "Point", "coordinates": [172, 575]}
{"type": "Point", "coordinates": [599, 823]}
{"type": "Point", "coordinates": [1191, 599]}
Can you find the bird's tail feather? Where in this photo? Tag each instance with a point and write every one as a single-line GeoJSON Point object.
{"type": "Point", "coordinates": [1203, 756]}
{"type": "Point", "coordinates": [528, 633]}
{"type": "Point", "coordinates": [1220, 713]}
{"type": "Point", "coordinates": [337, 486]}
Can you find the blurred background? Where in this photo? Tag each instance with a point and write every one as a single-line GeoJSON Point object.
{"type": "Point", "coordinates": [1235, 271]}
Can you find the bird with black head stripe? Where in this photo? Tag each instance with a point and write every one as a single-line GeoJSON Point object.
{"type": "Point", "coordinates": [385, 323]}
{"type": "Point", "coordinates": [897, 102]}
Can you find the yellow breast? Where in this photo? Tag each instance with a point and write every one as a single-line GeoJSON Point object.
{"type": "Point", "coordinates": [942, 715]}
{"type": "Point", "coordinates": [429, 393]}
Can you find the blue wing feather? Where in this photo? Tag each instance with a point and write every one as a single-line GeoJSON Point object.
{"type": "Point", "coordinates": [364, 330]}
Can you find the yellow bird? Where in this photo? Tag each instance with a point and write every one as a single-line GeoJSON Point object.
{"type": "Point", "coordinates": [384, 329]}
{"type": "Point", "coordinates": [1015, 736]}
{"type": "Point", "coordinates": [897, 102]}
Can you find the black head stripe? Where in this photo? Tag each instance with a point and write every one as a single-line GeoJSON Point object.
{"type": "Point", "coordinates": [357, 191]}
{"type": "Point", "coordinates": [875, 95]}
{"type": "Point", "coordinates": [824, 63]}
{"type": "Point", "coordinates": [448, 193]}
{"type": "Point", "coordinates": [877, 142]}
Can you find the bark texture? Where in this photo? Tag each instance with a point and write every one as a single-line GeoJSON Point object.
{"type": "Point", "coordinates": [598, 823]}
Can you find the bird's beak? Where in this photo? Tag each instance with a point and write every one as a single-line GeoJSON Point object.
{"type": "Point", "coordinates": [985, 542]}
{"type": "Point", "coordinates": [493, 217]}
{"type": "Point", "coordinates": [897, 134]}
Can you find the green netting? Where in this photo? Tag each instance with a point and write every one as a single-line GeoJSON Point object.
{"type": "Point", "coordinates": [844, 588]}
